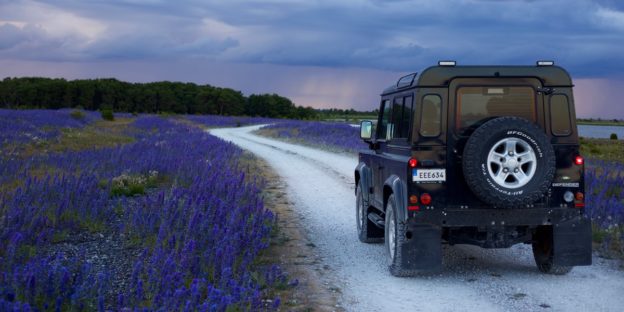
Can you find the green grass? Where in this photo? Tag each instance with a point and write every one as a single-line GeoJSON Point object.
{"type": "Point", "coordinates": [604, 149]}
{"type": "Point", "coordinates": [133, 184]}
{"type": "Point", "coordinates": [100, 134]}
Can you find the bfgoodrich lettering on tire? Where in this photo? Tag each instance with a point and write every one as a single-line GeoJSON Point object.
{"type": "Point", "coordinates": [508, 162]}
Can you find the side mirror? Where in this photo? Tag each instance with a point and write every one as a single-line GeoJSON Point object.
{"type": "Point", "coordinates": [366, 130]}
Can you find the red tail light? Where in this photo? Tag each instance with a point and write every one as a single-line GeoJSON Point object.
{"type": "Point", "coordinates": [425, 199]}
{"type": "Point", "coordinates": [413, 199]}
{"type": "Point", "coordinates": [580, 200]}
{"type": "Point", "coordinates": [579, 160]}
{"type": "Point", "coordinates": [413, 163]}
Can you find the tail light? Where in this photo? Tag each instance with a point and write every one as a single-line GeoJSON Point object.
{"type": "Point", "coordinates": [580, 200]}
{"type": "Point", "coordinates": [413, 199]}
{"type": "Point", "coordinates": [413, 162]}
{"type": "Point", "coordinates": [578, 160]}
{"type": "Point", "coordinates": [425, 199]}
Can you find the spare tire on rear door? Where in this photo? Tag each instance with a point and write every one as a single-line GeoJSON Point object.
{"type": "Point", "coordinates": [508, 162]}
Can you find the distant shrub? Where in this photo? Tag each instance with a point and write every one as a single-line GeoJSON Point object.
{"type": "Point", "coordinates": [130, 185]}
{"type": "Point", "coordinates": [107, 114]}
{"type": "Point", "coordinates": [613, 136]}
{"type": "Point", "coordinates": [77, 114]}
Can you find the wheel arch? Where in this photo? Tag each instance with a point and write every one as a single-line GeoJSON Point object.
{"type": "Point", "coordinates": [363, 175]}
{"type": "Point", "coordinates": [394, 185]}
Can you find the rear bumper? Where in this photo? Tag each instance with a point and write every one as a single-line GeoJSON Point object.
{"type": "Point", "coordinates": [571, 232]}
{"type": "Point", "coordinates": [494, 217]}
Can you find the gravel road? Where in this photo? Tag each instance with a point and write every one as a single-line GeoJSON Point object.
{"type": "Point", "coordinates": [321, 189]}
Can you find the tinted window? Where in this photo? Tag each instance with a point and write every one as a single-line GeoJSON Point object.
{"type": "Point", "coordinates": [401, 116]}
{"type": "Point", "coordinates": [477, 103]}
{"type": "Point", "coordinates": [397, 116]}
{"type": "Point", "coordinates": [560, 115]}
{"type": "Point", "coordinates": [431, 115]}
{"type": "Point", "coordinates": [407, 116]}
{"type": "Point", "coordinates": [385, 128]}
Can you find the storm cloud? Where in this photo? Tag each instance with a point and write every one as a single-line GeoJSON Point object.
{"type": "Point", "coordinates": [388, 35]}
{"type": "Point", "coordinates": [355, 36]}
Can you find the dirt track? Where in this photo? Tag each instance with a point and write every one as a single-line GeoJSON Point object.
{"type": "Point", "coordinates": [320, 186]}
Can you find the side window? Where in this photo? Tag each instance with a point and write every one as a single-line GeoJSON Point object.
{"type": "Point", "coordinates": [407, 116]}
{"type": "Point", "coordinates": [397, 117]}
{"type": "Point", "coordinates": [430, 118]}
{"type": "Point", "coordinates": [560, 115]}
{"type": "Point", "coordinates": [385, 127]}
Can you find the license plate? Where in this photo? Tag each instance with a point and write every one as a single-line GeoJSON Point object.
{"type": "Point", "coordinates": [429, 175]}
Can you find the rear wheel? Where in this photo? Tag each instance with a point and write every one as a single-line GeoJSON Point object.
{"type": "Point", "coordinates": [394, 238]}
{"type": "Point", "coordinates": [543, 250]}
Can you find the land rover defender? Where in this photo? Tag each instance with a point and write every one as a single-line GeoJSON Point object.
{"type": "Point", "coordinates": [481, 155]}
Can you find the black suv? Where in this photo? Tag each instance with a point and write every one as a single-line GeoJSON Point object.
{"type": "Point", "coordinates": [481, 155]}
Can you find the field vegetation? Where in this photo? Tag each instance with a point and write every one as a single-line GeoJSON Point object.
{"type": "Point", "coordinates": [137, 213]}
{"type": "Point", "coordinates": [334, 136]}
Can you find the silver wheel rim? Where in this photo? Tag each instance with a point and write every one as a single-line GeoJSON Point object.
{"type": "Point", "coordinates": [511, 163]}
{"type": "Point", "coordinates": [391, 231]}
{"type": "Point", "coordinates": [358, 211]}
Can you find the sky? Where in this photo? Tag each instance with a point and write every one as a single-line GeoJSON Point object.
{"type": "Point", "coordinates": [319, 53]}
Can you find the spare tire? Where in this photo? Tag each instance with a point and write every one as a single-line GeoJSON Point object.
{"type": "Point", "coordinates": [508, 162]}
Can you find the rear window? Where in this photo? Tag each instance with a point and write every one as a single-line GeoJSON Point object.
{"type": "Point", "coordinates": [474, 104]}
{"type": "Point", "coordinates": [431, 115]}
{"type": "Point", "coordinates": [560, 115]}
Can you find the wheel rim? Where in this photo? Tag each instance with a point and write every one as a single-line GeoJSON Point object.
{"type": "Point", "coordinates": [511, 163]}
{"type": "Point", "coordinates": [391, 231]}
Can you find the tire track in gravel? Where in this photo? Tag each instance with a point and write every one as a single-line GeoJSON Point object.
{"type": "Point", "coordinates": [320, 186]}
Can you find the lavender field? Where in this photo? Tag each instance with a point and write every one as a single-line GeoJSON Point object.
{"type": "Point", "coordinates": [328, 135]}
{"type": "Point", "coordinates": [604, 179]}
{"type": "Point", "coordinates": [160, 216]}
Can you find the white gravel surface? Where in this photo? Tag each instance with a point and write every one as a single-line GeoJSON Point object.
{"type": "Point", "coordinates": [321, 187]}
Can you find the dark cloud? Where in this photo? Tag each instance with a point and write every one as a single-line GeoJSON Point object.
{"type": "Point", "coordinates": [153, 46]}
{"type": "Point", "coordinates": [399, 35]}
{"type": "Point", "coordinates": [10, 36]}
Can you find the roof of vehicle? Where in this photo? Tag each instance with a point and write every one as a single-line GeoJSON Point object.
{"type": "Point", "coordinates": [440, 76]}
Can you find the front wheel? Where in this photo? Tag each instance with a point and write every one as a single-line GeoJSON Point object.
{"type": "Point", "coordinates": [543, 250]}
{"type": "Point", "coordinates": [367, 231]}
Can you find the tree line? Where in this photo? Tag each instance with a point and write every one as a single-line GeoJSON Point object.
{"type": "Point", "coordinates": [153, 97]}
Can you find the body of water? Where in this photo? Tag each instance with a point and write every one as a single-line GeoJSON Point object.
{"type": "Point", "coordinates": [604, 132]}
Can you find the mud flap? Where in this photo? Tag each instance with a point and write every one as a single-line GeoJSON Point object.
{"type": "Point", "coordinates": [423, 249]}
{"type": "Point", "coordinates": [572, 242]}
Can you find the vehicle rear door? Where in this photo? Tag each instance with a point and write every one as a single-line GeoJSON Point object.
{"type": "Point", "coordinates": [473, 101]}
